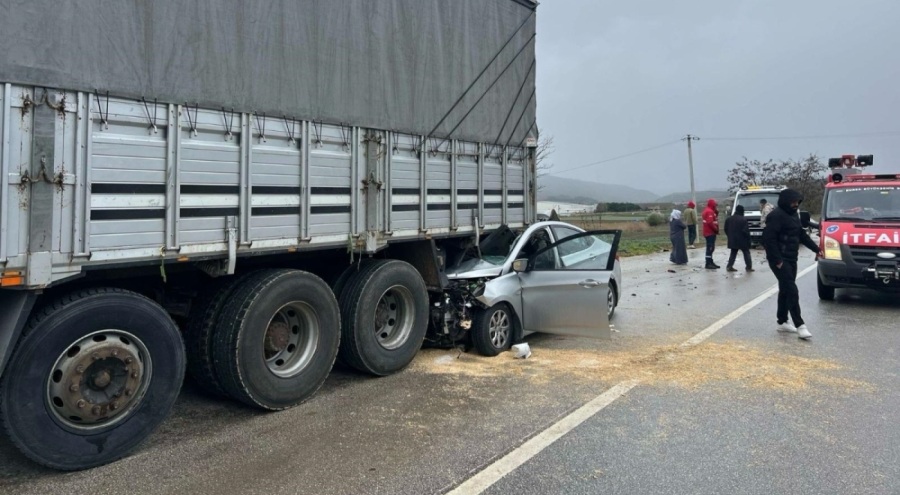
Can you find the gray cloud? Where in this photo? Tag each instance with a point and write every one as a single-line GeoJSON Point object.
{"type": "Point", "coordinates": [617, 77]}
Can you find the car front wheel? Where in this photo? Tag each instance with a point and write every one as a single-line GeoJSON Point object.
{"type": "Point", "coordinates": [492, 330]}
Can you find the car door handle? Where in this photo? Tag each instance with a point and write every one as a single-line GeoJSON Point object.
{"type": "Point", "coordinates": [590, 283]}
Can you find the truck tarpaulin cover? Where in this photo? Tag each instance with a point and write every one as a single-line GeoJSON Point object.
{"type": "Point", "coordinates": [389, 64]}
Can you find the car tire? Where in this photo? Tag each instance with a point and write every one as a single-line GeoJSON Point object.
{"type": "Point", "coordinates": [93, 375]}
{"type": "Point", "coordinates": [826, 292]}
{"type": "Point", "coordinates": [493, 330]}
{"type": "Point", "coordinates": [612, 299]}
{"type": "Point", "coordinates": [277, 340]}
{"type": "Point", "coordinates": [384, 310]}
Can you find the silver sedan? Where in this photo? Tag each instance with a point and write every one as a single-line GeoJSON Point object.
{"type": "Point", "coordinates": [555, 278]}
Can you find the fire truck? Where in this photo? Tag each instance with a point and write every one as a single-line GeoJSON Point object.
{"type": "Point", "coordinates": [860, 228]}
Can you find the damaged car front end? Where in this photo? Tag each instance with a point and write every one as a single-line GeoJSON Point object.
{"type": "Point", "coordinates": [552, 277]}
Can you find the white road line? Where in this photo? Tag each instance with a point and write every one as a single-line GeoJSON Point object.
{"type": "Point", "coordinates": [485, 478]}
{"type": "Point", "coordinates": [491, 474]}
{"type": "Point", "coordinates": [715, 327]}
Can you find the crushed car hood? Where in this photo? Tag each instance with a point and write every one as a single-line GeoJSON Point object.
{"type": "Point", "coordinates": [474, 268]}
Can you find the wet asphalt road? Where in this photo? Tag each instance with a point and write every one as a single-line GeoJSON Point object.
{"type": "Point", "coordinates": [431, 427]}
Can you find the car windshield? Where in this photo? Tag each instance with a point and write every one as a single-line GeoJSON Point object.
{"type": "Point", "coordinates": [750, 201]}
{"type": "Point", "coordinates": [862, 203]}
{"type": "Point", "coordinates": [494, 259]}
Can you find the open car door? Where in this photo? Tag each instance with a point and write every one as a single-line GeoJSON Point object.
{"type": "Point", "coordinates": [565, 285]}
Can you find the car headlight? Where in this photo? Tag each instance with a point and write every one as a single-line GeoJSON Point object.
{"type": "Point", "coordinates": [832, 249]}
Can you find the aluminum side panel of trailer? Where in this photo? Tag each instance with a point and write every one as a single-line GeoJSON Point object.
{"type": "Point", "coordinates": [89, 180]}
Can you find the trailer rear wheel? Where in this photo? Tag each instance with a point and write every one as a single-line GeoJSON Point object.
{"type": "Point", "coordinates": [384, 310]}
{"type": "Point", "coordinates": [200, 331]}
{"type": "Point", "coordinates": [93, 375]}
{"type": "Point", "coordinates": [277, 339]}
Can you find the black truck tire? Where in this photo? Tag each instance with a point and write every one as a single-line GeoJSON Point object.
{"type": "Point", "coordinates": [826, 292]}
{"type": "Point", "coordinates": [199, 333]}
{"type": "Point", "coordinates": [277, 339]}
{"type": "Point", "coordinates": [93, 375]}
{"type": "Point", "coordinates": [384, 313]}
{"type": "Point", "coordinates": [493, 330]}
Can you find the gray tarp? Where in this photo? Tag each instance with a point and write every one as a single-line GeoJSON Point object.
{"type": "Point", "coordinates": [389, 64]}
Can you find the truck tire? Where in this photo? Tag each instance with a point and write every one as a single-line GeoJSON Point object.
{"type": "Point", "coordinates": [384, 310]}
{"type": "Point", "coordinates": [339, 283]}
{"type": "Point", "coordinates": [199, 334]}
{"type": "Point", "coordinates": [95, 372]}
{"type": "Point", "coordinates": [826, 292]}
{"type": "Point", "coordinates": [493, 330]}
{"type": "Point", "coordinates": [277, 339]}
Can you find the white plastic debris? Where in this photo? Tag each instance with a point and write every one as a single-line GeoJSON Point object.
{"type": "Point", "coordinates": [523, 351]}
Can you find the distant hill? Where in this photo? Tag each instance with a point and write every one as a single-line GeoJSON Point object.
{"type": "Point", "coordinates": [702, 196]}
{"type": "Point", "coordinates": [551, 188]}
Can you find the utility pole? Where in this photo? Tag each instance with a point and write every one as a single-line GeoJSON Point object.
{"type": "Point", "coordinates": [690, 138]}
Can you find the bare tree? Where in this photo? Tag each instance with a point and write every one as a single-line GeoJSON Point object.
{"type": "Point", "coordinates": [806, 175]}
{"type": "Point", "coordinates": [545, 148]}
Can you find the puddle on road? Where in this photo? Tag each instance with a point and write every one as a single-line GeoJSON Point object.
{"type": "Point", "coordinates": [669, 365]}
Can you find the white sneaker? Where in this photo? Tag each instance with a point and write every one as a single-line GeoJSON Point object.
{"type": "Point", "coordinates": [787, 327]}
{"type": "Point", "coordinates": [803, 332]}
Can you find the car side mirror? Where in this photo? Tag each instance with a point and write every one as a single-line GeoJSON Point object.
{"type": "Point", "coordinates": [520, 265]}
{"type": "Point", "coordinates": [804, 219]}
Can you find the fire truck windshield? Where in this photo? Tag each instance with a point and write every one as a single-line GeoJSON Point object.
{"type": "Point", "coordinates": [863, 203]}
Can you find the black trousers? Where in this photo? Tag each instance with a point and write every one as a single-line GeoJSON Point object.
{"type": "Point", "coordinates": [747, 261]}
{"type": "Point", "coordinates": [692, 234]}
{"type": "Point", "coordinates": [710, 246]}
{"type": "Point", "coordinates": [788, 295]}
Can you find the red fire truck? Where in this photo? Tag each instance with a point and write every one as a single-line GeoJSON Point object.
{"type": "Point", "coordinates": [860, 228]}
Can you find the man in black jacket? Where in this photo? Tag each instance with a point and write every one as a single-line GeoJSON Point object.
{"type": "Point", "coordinates": [738, 231]}
{"type": "Point", "coordinates": [782, 237]}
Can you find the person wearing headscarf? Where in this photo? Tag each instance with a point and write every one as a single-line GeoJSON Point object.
{"type": "Point", "coordinates": [710, 230]}
{"type": "Point", "coordinates": [738, 231]}
{"type": "Point", "coordinates": [690, 219]}
{"type": "Point", "coordinates": [676, 235]}
{"type": "Point", "coordinates": [782, 238]}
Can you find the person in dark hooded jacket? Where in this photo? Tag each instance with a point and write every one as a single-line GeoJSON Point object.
{"type": "Point", "coordinates": [738, 231]}
{"type": "Point", "coordinates": [782, 237]}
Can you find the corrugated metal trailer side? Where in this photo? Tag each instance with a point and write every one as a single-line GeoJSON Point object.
{"type": "Point", "coordinates": [90, 180]}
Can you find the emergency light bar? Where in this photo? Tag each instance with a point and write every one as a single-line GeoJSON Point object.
{"type": "Point", "coordinates": [849, 161]}
{"type": "Point", "coordinates": [759, 187]}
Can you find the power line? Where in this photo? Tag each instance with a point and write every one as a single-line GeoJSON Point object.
{"type": "Point", "coordinates": [670, 143]}
{"type": "Point", "coordinates": [790, 138]}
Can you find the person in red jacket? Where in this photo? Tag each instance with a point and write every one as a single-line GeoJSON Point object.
{"type": "Point", "coordinates": [710, 230]}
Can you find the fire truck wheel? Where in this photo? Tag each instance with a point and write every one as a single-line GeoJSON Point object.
{"type": "Point", "coordinates": [277, 338]}
{"type": "Point", "coordinates": [493, 330]}
{"type": "Point", "coordinates": [826, 292]}
{"type": "Point", "coordinates": [384, 313]}
{"type": "Point", "coordinates": [95, 372]}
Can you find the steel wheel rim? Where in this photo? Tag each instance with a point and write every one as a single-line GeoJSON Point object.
{"type": "Point", "coordinates": [394, 317]}
{"type": "Point", "coordinates": [99, 380]}
{"type": "Point", "coordinates": [291, 339]}
{"type": "Point", "coordinates": [499, 329]}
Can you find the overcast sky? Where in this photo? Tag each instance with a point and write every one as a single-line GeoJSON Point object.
{"type": "Point", "coordinates": [619, 77]}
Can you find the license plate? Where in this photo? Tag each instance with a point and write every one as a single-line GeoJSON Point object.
{"type": "Point", "coordinates": [755, 233]}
